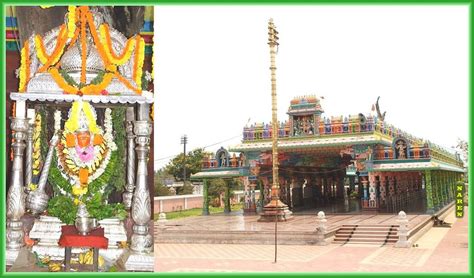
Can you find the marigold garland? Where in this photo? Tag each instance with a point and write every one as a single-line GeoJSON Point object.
{"type": "Point", "coordinates": [68, 89]}
{"type": "Point", "coordinates": [83, 46]}
{"type": "Point", "coordinates": [95, 89]}
{"type": "Point", "coordinates": [127, 83]}
{"type": "Point", "coordinates": [95, 36]}
{"type": "Point", "coordinates": [24, 67]}
{"type": "Point", "coordinates": [71, 21]}
{"type": "Point", "coordinates": [138, 63]}
{"type": "Point", "coordinates": [101, 37]}
{"type": "Point", "coordinates": [37, 145]}
{"type": "Point", "coordinates": [109, 51]}
{"type": "Point", "coordinates": [49, 60]}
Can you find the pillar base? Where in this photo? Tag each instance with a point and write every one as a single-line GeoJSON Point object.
{"type": "Point", "coordinates": [139, 262]}
{"type": "Point", "coordinates": [403, 244]}
{"type": "Point", "coordinates": [275, 209]}
{"type": "Point", "coordinates": [11, 256]}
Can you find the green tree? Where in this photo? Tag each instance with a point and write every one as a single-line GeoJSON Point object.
{"type": "Point", "coordinates": [187, 188]}
{"type": "Point", "coordinates": [160, 188]}
{"type": "Point", "coordinates": [193, 164]}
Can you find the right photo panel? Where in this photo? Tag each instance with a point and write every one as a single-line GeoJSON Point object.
{"type": "Point", "coordinates": [311, 138]}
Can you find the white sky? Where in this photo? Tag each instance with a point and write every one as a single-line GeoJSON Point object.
{"type": "Point", "coordinates": [212, 68]}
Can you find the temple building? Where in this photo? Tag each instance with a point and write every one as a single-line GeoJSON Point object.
{"type": "Point", "coordinates": [340, 164]}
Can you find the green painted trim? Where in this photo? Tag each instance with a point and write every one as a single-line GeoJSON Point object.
{"type": "Point", "coordinates": [429, 191]}
{"type": "Point", "coordinates": [205, 196]}
{"type": "Point", "coordinates": [392, 161]}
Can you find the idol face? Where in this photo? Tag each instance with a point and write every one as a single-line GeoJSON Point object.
{"type": "Point", "coordinates": [83, 138]}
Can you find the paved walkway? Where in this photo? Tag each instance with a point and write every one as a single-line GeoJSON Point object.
{"type": "Point", "coordinates": [439, 250]}
{"type": "Point", "coordinates": [303, 223]}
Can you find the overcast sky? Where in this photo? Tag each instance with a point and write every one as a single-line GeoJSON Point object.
{"type": "Point", "coordinates": [212, 68]}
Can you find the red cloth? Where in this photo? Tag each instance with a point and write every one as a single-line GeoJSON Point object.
{"type": "Point", "coordinates": [71, 238]}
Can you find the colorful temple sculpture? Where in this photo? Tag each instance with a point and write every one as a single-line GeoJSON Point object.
{"type": "Point", "coordinates": [356, 163]}
{"type": "Point", "coordinates": [81, 131]}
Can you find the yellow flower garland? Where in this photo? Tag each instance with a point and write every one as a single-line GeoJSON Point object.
{"type": "Point", "coordinates": [107, 43]}
{"type": "Point", "coordinates": [24, 67]}
{"type": "Point", "coordinates": [139, 57]}
{"type": "Point", "coordinates": [104, 46]}
{"type": "Point", "coordinates": [37, 145]}
{"type": "Point", "coordinates": [71, 21]}
{"type": "Point", "coordinates": [49, 60]}
{"type": "Point", "coordinates": [72, 124]}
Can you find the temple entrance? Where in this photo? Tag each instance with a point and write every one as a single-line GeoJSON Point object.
{"type": "Point", "coordinates": [315, 180]}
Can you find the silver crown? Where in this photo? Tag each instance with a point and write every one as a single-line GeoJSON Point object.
{"type": "Point", "coordinates": [71, 60]}
{"type": "Point", "coordinates": [83, 122]}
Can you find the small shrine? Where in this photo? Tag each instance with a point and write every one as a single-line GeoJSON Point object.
{"type": "Point", "coordinates": [81, 129]}
{"type": "Point", "coordinates": [227, 166]}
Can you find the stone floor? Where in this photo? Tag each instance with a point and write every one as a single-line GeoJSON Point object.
{"type": "Point", "coordinates": [300, 222]}
{"type": "Point", "coordinates": [439, 250]}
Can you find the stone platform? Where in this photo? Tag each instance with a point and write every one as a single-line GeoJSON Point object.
{"type": "Point", "coordinates": [237, 228]}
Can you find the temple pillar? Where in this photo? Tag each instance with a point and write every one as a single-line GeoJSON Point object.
{"type": "Point", "coordinates": [130, 185]}
{"type": "Point", "coordinates": [383, 189]}
{"type": "Point", "coordinates": [340, 185]}
{"type": "Point", "coordinates": [373, 203]}
{"type": "Point", "coordinates": [260, 196]}
{"type": "Point", "coordinates": [352, 183]}
{"type": "Point", "coordinates": [227, 198]}
{"type": "Point", "coordinates": [205, 196]}
{"type": "Point", "coordinates": [391, 192]}
{"type": "Point", "coordinates": [15, 201]}
{"type": "Point", "coordinates": [141, 246]}
{"type": "Point", "coordinates": [29, 150]}
{"type": "Point", "coordinates": [141, 206]}
{"type": "Point", "coordinates": [430, 206]}
{"type": "Point", "coordinates": [365, 196]}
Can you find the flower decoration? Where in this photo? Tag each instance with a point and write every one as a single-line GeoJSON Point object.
{"type": "Point", "coordinates": [85, 150]}
{"type": "Point", "coordinates": [71, 21]}
{"type": "Point", "coordinates": [32, 186]}
{"type": "Point", "coordinates": [24, 67]}
{"type": "Point", "coordinates": [37, 145]}
{"type": "Point", "coordinates": [78, 19]}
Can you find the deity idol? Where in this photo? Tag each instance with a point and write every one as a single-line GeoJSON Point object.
{"type": "Point", "coordinates": [84, 149]}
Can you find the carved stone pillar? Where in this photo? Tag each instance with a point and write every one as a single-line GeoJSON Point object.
{"type": "Point", "coordinates": [29, 154]}
{"type": "Point", "coordinates": [128, 194]}
{"type": "Point", "coordinates": [372, 191]}
{"type": "Point", "coordinates": [141, 241]}
{"type": "Point", "coordinates": [365, 198]}
{"type": "Point", "coordinates": [15, 195]}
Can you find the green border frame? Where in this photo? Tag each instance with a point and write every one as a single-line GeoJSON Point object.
{"type": "Point", "coordinates": [222, 2]}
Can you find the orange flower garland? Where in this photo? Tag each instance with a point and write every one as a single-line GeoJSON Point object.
{"type": "Point", "coordinates": [95, 36]}
{"type": "Point", "coordinates": [83, 46]}
{"type": "Point", "coordinates": [95, 89]}
{"type": "Point", "coordinates": [138, 63]}
{"type": "Point", "coordinates": [68, 36]}
{"type": "Point", "coordinates": [109, 51]}
{"type": "Point", "coordinates": [127, 84]}
{"type": "Point", "coordinates": [52, 59]}
{"type": "Point", "coordinates": [24, 67]}
{"type": "Point", "coordinates": [68, 89]}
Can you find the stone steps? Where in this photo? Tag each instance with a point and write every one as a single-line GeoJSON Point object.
{"type": "Point", "coordinates": [370, 234]}
{"type": "Point", "coordinates": [234, 237]}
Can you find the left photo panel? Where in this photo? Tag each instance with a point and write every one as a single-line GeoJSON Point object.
{"type": "Point", "coordinates": [79, 139]}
